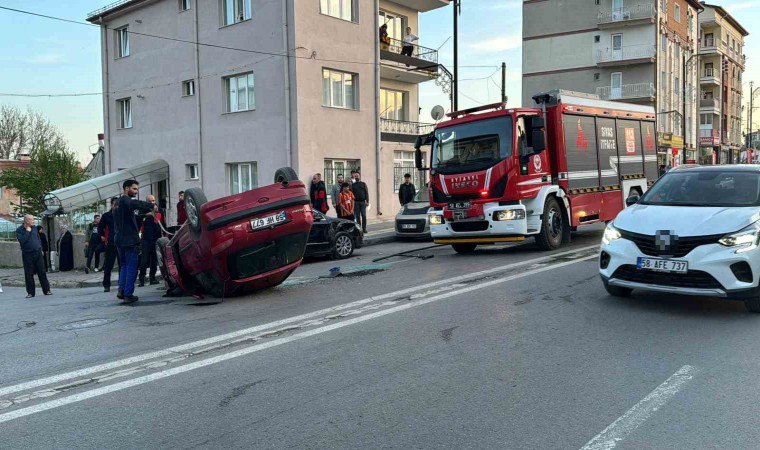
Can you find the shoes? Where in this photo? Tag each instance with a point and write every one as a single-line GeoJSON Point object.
{"type": "Point", "coordinates": [48, 293]}
{"type": "Point", "coordinates": [120, 294]}
{"type": "Point", "coordinates": [152, 282]}
{"type": "Point", "coordinates": [29, 296]}
{"type": "Point", "coordinates": [86, 270]}
{"type": "Point", "coordinates": [97, 270]}
{"type": "Point", "coordinates": [364, 231]}
{"type": "Point", "coordinates": [131, 299]}
{"type": "Point", "coordinates": [108, 289]}
{"type": "Point", "coordinates": [141, 284]}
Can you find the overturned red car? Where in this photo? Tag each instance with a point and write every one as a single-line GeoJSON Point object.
{"type": "Point", "coordinates": [241, 243]}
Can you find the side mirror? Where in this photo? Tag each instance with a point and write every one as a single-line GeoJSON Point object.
{"type": "Point", "coordinates": [425, 139]}
{"type": "Point", "coordinates": [632, 199]}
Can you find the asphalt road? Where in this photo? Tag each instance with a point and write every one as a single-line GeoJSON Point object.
{"type": "Point", "coordinates": [506, 348]}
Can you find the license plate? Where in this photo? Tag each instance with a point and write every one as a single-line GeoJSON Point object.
{"type": "Point", "coordinates": [409, 226]}
{"type": "Point", "coordinates": [662, 265]}
{"type": "Point", "coordinates": [268, 221]}
{"type": "Point", "coordinates": [459, 205]}
{"type": "Point", "coordinates": [460, 215]}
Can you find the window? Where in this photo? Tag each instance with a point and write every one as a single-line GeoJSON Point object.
{"type": "Point", "coordinates": [396, 24]}
{"type": "Point", "coordinates": [184, 5]}
{"type": "Point", "coordinates": [597, 39]}
{"type": "Point", "coordinates": [239, 90]}
{"type": "Point", "coordinates": [709, 40]}
{"type": "Point", "coordinates": [597, 76]}
{"type": "Point", "coordinates": [122, 42]}
{"type": "Point", "coordinates": [125, 112]}
{"type": "Point", "coordinates": [340, 9]}
{"type": "Point", "coordinates": [335, 167]}
{"type": "Point", "coordinates": [664, 43]}
{"type": "Point", "coordinates": [235, 11]}
{"type": "Point", "coordinates": [709, 70]}
{"type": "Point", "coordinates": [188, 88]}
{"type": "Point", "coordinates": [664, 6]}
{"type": "Point", "coordinates": [191, 171]}
{"type": "Point", "coordinates": [393, 104]}
{"type": "Point", "coordinates": [677, 13]}
{"type": "Point", "coordinates": [403, 163]}
{"type": "Point", "coordinates": [339, 89]}
{"type": "Point", "coordinates": [690, 20]}
{"type": "Point", "coordinates": [243, 177]}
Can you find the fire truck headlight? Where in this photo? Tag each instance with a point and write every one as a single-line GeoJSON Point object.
{"type": "Point", "coordinates": [435, 219]}
{"type": "Point", "coordinates": [510, 214]}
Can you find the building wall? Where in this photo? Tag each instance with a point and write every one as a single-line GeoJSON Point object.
{"type": "Point", "coordinates": [9, 197]}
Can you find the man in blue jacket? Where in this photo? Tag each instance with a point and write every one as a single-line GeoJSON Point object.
{"type": "Point", "coordinates": [128, 239]}
{"type": "Point", "coordinates": [31, 255]}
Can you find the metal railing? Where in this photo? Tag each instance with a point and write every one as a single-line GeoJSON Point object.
{"type": "Point", "coordinates": [418, 51]}
{"type": "Point", "coordinates": [629, 53]}
{"type": "Point", "coordinates": [626, 91]}
{"type": "Point", "coordinates": [709, 103]}
{"type": "Point", "coordinates": [635, 12]}
{"type": "Point", "coordinates": [404, 127]}
{"type": "Point", "coordinates": [100, 11]}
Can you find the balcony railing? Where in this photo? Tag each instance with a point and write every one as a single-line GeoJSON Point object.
{"type": "Point", "coordinates": [626, 91]}
{"type": "Point", "coordinates": [710, 72]}
{"type": "Point", "coordinates": [709, 103]}
{"type": "Point", "coordinates": [396, 46]}
{"type": "Point", "coordinates": [404, 127]}
{"type": "Point", "coordinates": [635, 12]}
{"type": "Point", "coordinates": [630, 53]}
{"type": "Point", "coordinates": [113, 5]}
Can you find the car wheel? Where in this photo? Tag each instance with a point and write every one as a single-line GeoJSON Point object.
{"type": "Point", "coordinates": [194, 199]}
{"type": "Point", "coordinates": [550, 237]}
{"type": "Point", "coordinates": [752, 304]}
{"type": "Point", "coordinates": [344, 245]}
{"type": "Point", "coordinates": [616, 291]}
{"type": "Point", "coordinates": [285, 175]}
{"type": "Point", "coordinates": [464, 249]}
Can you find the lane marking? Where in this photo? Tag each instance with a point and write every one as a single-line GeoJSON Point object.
{"type": "Point", "coordinates": [45, 406]}
{"type": "Point", "coordinates": [184, 348]}
{"type": "Point", "coordinates": [625, 424]}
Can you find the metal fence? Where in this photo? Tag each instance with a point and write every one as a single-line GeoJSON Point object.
{"type": "Point", "coordinates": [418, 51]}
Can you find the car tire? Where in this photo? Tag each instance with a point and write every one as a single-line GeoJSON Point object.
{"type": "Point", "coordinates": [616, 291]}
{"type": "Point", "coordinates": [752, 304]}
{"type": "Point", "coordinates": [343, 246]}
{"type": "Point", "coordinates": [464, 249]}
{"type": "Point", "coordinates": [194, 199]}
{"type": "Point", "coordinates": [285, 175]}
{"type": "Point", "coordinates": [550, 237]}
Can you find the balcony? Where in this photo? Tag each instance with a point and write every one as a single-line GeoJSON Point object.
{"type": "Point", "coordinates": [421, 66]}
{"type": "Point", "coordinates": [713, 47]}
{"type": "Point", "coordinates": [626, 16]}
{"type": "Point", "coordinates": [634, 54]}
{"type": "Point", "coordinates": [639, 92]}
{"type": "Point", "coordinates": [422, 5]}
{"type": "Point", "coordinates": [710, 105]}
{"type": "Point", "coordinates": [709, 138]}
{"type": "Point", "coordinates": [710, 76]}
{"type": "Point", "coordinates": [402, 131]}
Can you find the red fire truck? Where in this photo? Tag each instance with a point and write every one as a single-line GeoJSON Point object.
{"type": "Point", "coordinates": [501, 174]}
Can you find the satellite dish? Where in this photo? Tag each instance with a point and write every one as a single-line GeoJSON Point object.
{"type": "Point", "coordinates": [437, 112]}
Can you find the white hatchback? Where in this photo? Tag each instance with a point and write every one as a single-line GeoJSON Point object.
{"type": "Point", "coordinates": [696, 231]}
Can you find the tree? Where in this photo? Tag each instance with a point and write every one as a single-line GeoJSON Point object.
{"type": "Point", "coordinates": [25, 131]}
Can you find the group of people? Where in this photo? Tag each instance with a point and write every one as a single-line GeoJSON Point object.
{"type": "Point", "coordinates": [350, 198]}
{"type": "Point", "coordinates": [407, 49]}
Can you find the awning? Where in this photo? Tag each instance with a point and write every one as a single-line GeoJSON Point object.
{"type": "Point", "coordinates": [99, 189]}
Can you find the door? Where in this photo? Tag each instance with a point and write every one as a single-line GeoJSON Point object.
{"type": "Point", "coordinates": [617, 47]}
{"type": "Point", "coordinates": [617, 10]}
{"type": "Point", "coordinates": [616, 86]}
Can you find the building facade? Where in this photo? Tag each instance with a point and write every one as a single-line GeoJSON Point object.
{"type": "Point", "coordinates": [722, 63]}
{"type": "Point", "coordinates": [635, 51]}
{"type": "Point", "coordinates": [228, 91]}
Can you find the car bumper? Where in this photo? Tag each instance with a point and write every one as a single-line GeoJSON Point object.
{"type": "Point", "coordinates": [420, 223]}
{"type": "Point", "coordinates": [709, 271]}
{"type": "Point", "coordinates": [483, 229]}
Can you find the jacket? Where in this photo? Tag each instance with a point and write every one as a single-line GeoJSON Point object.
{"type": "Point", "coordinates": [29, 240]}
{"type": "Point", "coordinates": [151, 228]}
{"type": "Point", "coordinates": [318, 195]}
{"type": "Point", "coordinates": [105, 228]}
{"type": "Point", "coordinates": [181, 213]}
{"type": "Point", "coordinates": [334, 192]}
{"type": "Point", "coordinates": [346, 203]}
{"type": "Point", "coordinates": [361, 194]}
{"type": "Point", "coordinates": [406, 193]}
{"type": "Point", "coordinates": [125, 221]}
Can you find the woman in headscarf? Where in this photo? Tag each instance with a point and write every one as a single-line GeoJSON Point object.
{"type": "Point", "coordinates": [65, 250]}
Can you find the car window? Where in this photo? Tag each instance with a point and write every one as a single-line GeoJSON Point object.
{"type": "Point", "coordinates": [422, 196]}
{"type": "Point", "coordinates": [705, 188]}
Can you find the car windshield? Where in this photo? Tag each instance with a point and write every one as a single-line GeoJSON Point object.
{"type": "Point", "coordinates": [422, 196]}
{"type": "Point", "coordinates": [472, 146]}
{"type": "Point", "coordinates": [705, 188]}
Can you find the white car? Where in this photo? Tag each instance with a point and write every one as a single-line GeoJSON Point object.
{"type": "Point", "coordinates": [694, 232]}
{"type": "Point", "coordinates": [412, 221]}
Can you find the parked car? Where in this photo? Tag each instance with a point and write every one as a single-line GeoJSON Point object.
{"type": "Point", "coordinates": [412, 220]}
{"type": "Point", "coordinates": [240, 243]}
{"type": "Point", "coordinates": [696, 231]}
{"type": "Point", "coordinates": [333, 237]}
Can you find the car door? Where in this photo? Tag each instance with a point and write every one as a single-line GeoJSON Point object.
{"type": "Point", "coordinates": [320, 235]}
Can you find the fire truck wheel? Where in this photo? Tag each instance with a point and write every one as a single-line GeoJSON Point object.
{"type": "Point", "coordinates": [550, 237]}
{"type": "Point", "coordinates": [464, 249]}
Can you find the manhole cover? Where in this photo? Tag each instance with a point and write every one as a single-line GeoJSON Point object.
{"type": "Point", "coordinates": [88, 323]}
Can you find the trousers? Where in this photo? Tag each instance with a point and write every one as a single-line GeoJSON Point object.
{"type": "Point", "coordinates": [128, 261]}
{"type": "Point", "coordinates": [148, 258]}
{"type": "Point", "coordinates": [34, 263]}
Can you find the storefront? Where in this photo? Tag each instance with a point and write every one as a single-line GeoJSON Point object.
{"type": "Point", "coordinates": [670, 151]}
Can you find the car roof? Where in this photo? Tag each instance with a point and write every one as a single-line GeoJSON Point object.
{"type": "Point", "coordinates": [718, 168]}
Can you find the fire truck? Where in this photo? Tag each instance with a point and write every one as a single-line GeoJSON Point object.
{"type": "Point", "coordinates": [501, 174]}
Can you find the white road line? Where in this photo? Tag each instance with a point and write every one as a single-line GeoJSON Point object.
{"type": "Point", "coordinates": [235, 334]}
{"type": "Point", "coordinates": [45, 406]}
{"type": "Point", "coordinates": [625, 424]}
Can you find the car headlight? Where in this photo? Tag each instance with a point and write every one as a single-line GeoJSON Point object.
{"type": "Point", "coordinates": [510, 214]}
{"type": "Point", "coordinates": [435, 219]}
{"type": "Point", "coordinates": [610, 234]}
{"type": "Point", "coordinates": [746, 239]}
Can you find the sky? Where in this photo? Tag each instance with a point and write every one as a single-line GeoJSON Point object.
{"type": "Point", "coordinates": [41, 56]}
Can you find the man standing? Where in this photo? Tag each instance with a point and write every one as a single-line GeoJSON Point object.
{"type": "Point", "coordinates": [181, 214]}
{"type": "Point", "coordinates": [127, 238]}
{"type": "Point", "coordinates": [94, 246]}
{"type": "Point", "coordinates": [151, 232]}
{"type": "Point", "coordinates": [335, 192]}
{"type": "Point", "coordinates": [361, 200]}
{"type": "Point", "coordinates": [318, 194]}
{"type": "Point", "coordinates": [31, 255]}
{"type": "Point", "coordinates": [406, 191]}
{"type": "Point", "coordinates": [409, 39]}
{"type": "Point", "coordinates": [107, 234]}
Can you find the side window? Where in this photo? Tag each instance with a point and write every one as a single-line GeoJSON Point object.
{"type": "Point", "coordinates": [522, 138]}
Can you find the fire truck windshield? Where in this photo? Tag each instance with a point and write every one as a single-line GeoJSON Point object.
{"type": "Point", "coordinates": [472, 146]}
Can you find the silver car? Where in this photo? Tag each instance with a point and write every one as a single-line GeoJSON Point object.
{"type": "Point", "coordinates": [412, 220]}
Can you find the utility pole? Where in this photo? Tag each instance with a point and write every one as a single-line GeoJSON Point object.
{"type": "Point", "coordinates": [503, 82]}
{"type": "Point", "coordinates": [455, 93]}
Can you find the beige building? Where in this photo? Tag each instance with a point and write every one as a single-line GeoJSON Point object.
{"type": "Point", "coordinates": [234, 89]}
{"type": "Point", "coordinates": [721, 63]}
{"type": "Point", "coordinates": [636, 51]}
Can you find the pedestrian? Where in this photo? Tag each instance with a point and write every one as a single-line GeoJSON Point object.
{"type": "Point", "coordinates": [151, 232]}
{"type": "Point", "coordinates": [128, 239]}
{"type": "Point", "coordinates": [406, 191]}
{"type": "Point", "coordinates": [318, 194]}
{"type": "Point", "coordinates": [45, 246]}
{"type": "Point", "coordinates": [181, 213]}
{"type": "Point", "coordinates": [65, 247]}
{"type": "Point", "coordinates": [346, 203]}
{"type": "Point", "coordinates": [31, 255]}
{"type": "Point", "coordinates": [94, 245]}
{"type": "Point", "coordinates": [409, 39]}
{"type": "Point", "coordinates": [107, 237]}
{"type": "Point", "coordinates": [335, 192]}
{"type": "Point", "coordinates": [361, 200]}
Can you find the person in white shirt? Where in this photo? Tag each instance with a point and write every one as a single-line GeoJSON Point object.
{"type": "Point", "coordinates": [409, 39]}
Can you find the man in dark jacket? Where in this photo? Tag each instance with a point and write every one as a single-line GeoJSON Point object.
{"type": "Point", "coordinates": [151, 232]}
{"type": "Point", "coordinates": [107, 237]}
{"type": "Point", "coordinates": [128, 238]}
{"type": "Point", "coordinates": [31, 255]}
{"type": "Point", "coordinates": [181, 213]}
{"type": "Point", "coordinates": [361, 200]}
{"type": "Point", "coordinates": [406, 191]}
{"type": "Point", "coordinates": [318, 194]}
{"type": "Point", "coordinates": [94, 245]}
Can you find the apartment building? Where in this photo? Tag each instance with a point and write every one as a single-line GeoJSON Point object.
{"type": "Point", "coordinates": [217, 99]}
{"type": "Point", "coordinates": [721, 63]}
{"type": "Point", "coordinates": [635, 51]}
